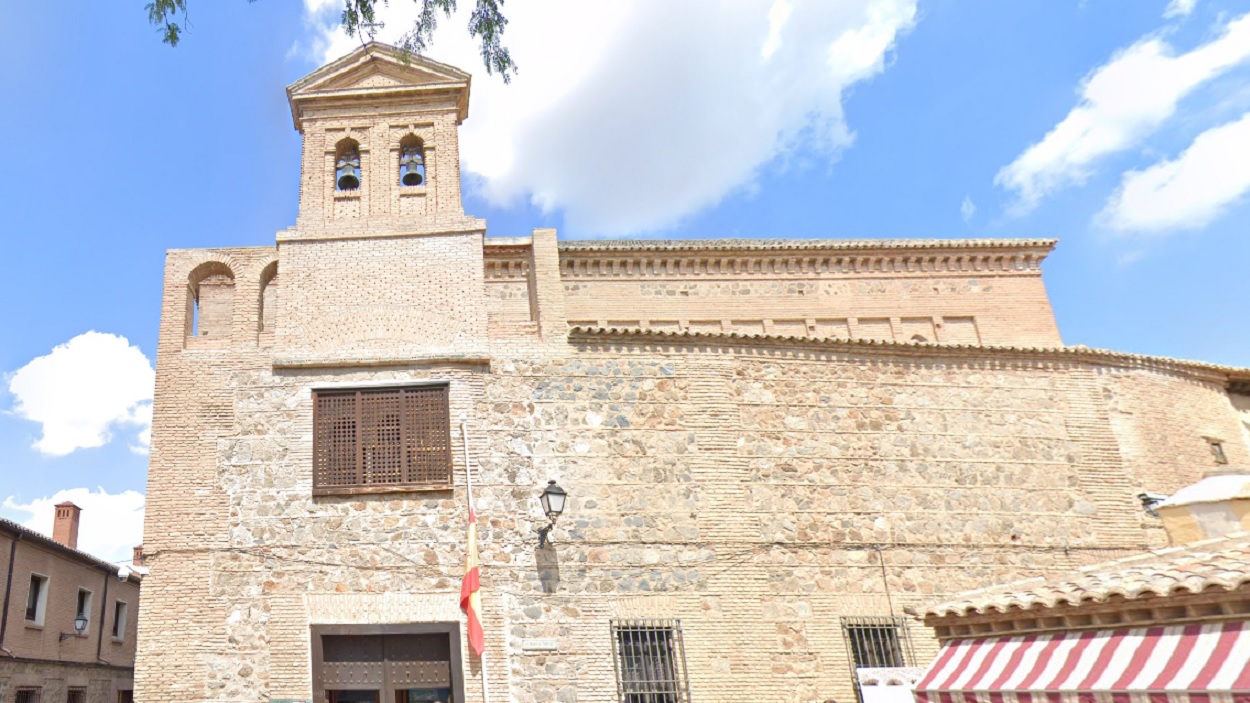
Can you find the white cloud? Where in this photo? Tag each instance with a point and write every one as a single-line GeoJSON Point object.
{"type": "Point", "coordinates": [967, 209]}
{"type": "Point", "coordinates": [1122, 102]}
{"type": "Point", "coordinates": [84, 389]}
{"type": "Point", "coordinates": [629, 116]}
{"type": "Point", "coordinates": [110, 527]}
{"type": "Point", "coordinates": [1188, 192]}
{"type": "Point", "coordinates": [1179, 8]}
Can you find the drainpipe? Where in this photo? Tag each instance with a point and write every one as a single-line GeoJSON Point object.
{"type": "Point", "coordinates": [99, 645]}
{"type": "Point", "coordinates": [8, 591]}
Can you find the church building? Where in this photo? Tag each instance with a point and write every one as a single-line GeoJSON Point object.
{"type": "Point", "coordinates": [702, 471]}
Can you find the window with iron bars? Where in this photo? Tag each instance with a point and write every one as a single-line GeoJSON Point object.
{"type": "Point", "coordinates": [876, 643]}
{"type": "Point", "coordinates": [76, 695]}
{"type": "Point", "coordinates": [650, 661]}
{"type": "Point", "coordinates": [26, 695]}
{"type": "Point", "coordinates": [370, 440]}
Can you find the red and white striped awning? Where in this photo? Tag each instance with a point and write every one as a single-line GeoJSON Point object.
{"type": "Point", "coordinates": [1202, 663]}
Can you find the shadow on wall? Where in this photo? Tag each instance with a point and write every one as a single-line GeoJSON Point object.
{"type": "Point", "coordinates": [547, 562]}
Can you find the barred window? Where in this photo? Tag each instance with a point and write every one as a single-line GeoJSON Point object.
{"type": "Point", "coordinates": [126, 696]}
{"type": "Point", "coordinates": [381, 439]}
{"type": "Point", "coordinates": [650, 661]}
{"type": "Point", "coordinates": [26, 695]}
{"type": "Point", "coordinates": [876, 643]}
{"type": "Point", "coordinates": [76, 695]}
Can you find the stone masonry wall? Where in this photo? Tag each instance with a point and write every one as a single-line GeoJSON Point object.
{"type": "Point", "coordinates": [755, 493]}
{"type": "Point", "coordinates": [101, 683]}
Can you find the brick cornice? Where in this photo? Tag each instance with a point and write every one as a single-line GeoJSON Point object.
{"type": "Point", "coordinates": [507, 263]}
{"type": "Point", "coordinates": [736, 258]}
{"type": "Point", "coordinates": [1215, 373]}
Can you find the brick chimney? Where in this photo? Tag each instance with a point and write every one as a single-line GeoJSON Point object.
{"type": "Point", "coordinates": [65, 527]}
{"type": "Point", "coordinates": [138, 556]}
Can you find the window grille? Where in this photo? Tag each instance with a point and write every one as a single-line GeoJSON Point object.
{"type": "Point", "coordinates": [376, 439]}
{"type": "Point", "coordinates": [876, 643]}
{"type": "Point", "coordinates": [650, 661]}
{"type": "Point", "coordinates": [76, 695]}
{"type": "Point", "coordinates": [26, 695]}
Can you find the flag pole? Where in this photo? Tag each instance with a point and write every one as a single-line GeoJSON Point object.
{"type": "Point", "coordinates": [468, 482]}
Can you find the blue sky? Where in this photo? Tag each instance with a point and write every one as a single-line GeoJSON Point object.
{"type": "Point", "coordinates": [1114, 125]}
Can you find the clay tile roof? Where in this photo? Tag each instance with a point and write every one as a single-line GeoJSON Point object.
{"type": "Point", "coordinates": [798, 244]}
{"type": "Point", "coordinates": [41, 539]}
{"type": "Point", "coordinates": [1208, 565]}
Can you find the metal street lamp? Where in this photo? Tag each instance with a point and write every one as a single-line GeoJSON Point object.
{"type": "Point", "coordinates": [552, 499]}
{"type": "Point", "coordinates": [80, 627]}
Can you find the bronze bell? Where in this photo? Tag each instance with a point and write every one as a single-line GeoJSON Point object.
{"type": "Point", "coordinates": [349, 180]}
{"type": "Point", "coordinates": [349, 171]}
{"type": "Point", "coordinates": [411, 163]}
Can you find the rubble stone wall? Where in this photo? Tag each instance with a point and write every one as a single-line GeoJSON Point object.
{"type": "Point", "coordinates": [102, 683]}
{"type": "Point", "coordinates": [755, 492]}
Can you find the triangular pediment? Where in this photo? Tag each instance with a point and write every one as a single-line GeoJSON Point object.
{"type": "Point", "coordinates": [377, 66]}
{"type": "Point", "coordinates": [379, 71]}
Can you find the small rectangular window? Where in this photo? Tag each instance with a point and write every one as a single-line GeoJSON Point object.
{"type": "Point", "coordinates": [27, 695]}
{"type": "Point", "coordinates": [650, 661]}
{"type": "Point", "coordinates": [1217, 451]}
{"type": "Point", "coordinates": [37, 599]}
{"type": "Point", "coordinates": [76, 695]}
{"type": "Point", "coordinates": [377, 439]}
{"type": "Point", "coordinates": [119, 620]}
{"type": "Point", "coordinates": [126, 696]}
{"type": "Point", "coordinates": [876, 643]}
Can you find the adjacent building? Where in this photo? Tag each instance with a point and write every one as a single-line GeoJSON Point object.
{"type": "Point", "coordinates": [1167, 625]}
{"type": "Point", "coordinates": [770, 447]}
{"type": "Point", "coordinates": [67, 619]}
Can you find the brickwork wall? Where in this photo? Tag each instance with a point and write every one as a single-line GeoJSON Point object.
{"type": "Point", "coordinates": [721, 289]}
{"type": "Point", "coordinates": [377, 297]}
{"type": "Point", "coordinates": [1241, 403]}
{"type": "Point", "coordinates": [1164, 422]}
{"type": "Point", "coordinates": [185, 498]}
{"type": "Point", "coordinates": [1005, 307]}
{"type": "Point", "coordinates": [65, 577]}
{"type": "Point", "coordinates": [381, 202]}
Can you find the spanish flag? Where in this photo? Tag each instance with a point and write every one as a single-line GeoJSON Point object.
{"type": "Point", "coordinates": [470, 599]}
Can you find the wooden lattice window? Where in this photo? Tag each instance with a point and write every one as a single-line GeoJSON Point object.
{"type": "Point", "coordinates": [372, 440]}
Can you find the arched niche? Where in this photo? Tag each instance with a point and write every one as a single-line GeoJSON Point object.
{"type": "Point", "coordinates": [268, 297]}
{"type": "Point", "coordinates": [210, 301]}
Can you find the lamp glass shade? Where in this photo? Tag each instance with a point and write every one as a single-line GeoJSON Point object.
{"type": "Point", "coordinates": [80, 623]}
{"type": "Point", "coordinates": [553, 500]}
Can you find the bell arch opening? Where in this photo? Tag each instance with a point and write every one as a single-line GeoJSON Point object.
{"type": "Point", "coordinates": [347, 175]}
{"type": "Point", "coordinates": [411, 161]}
